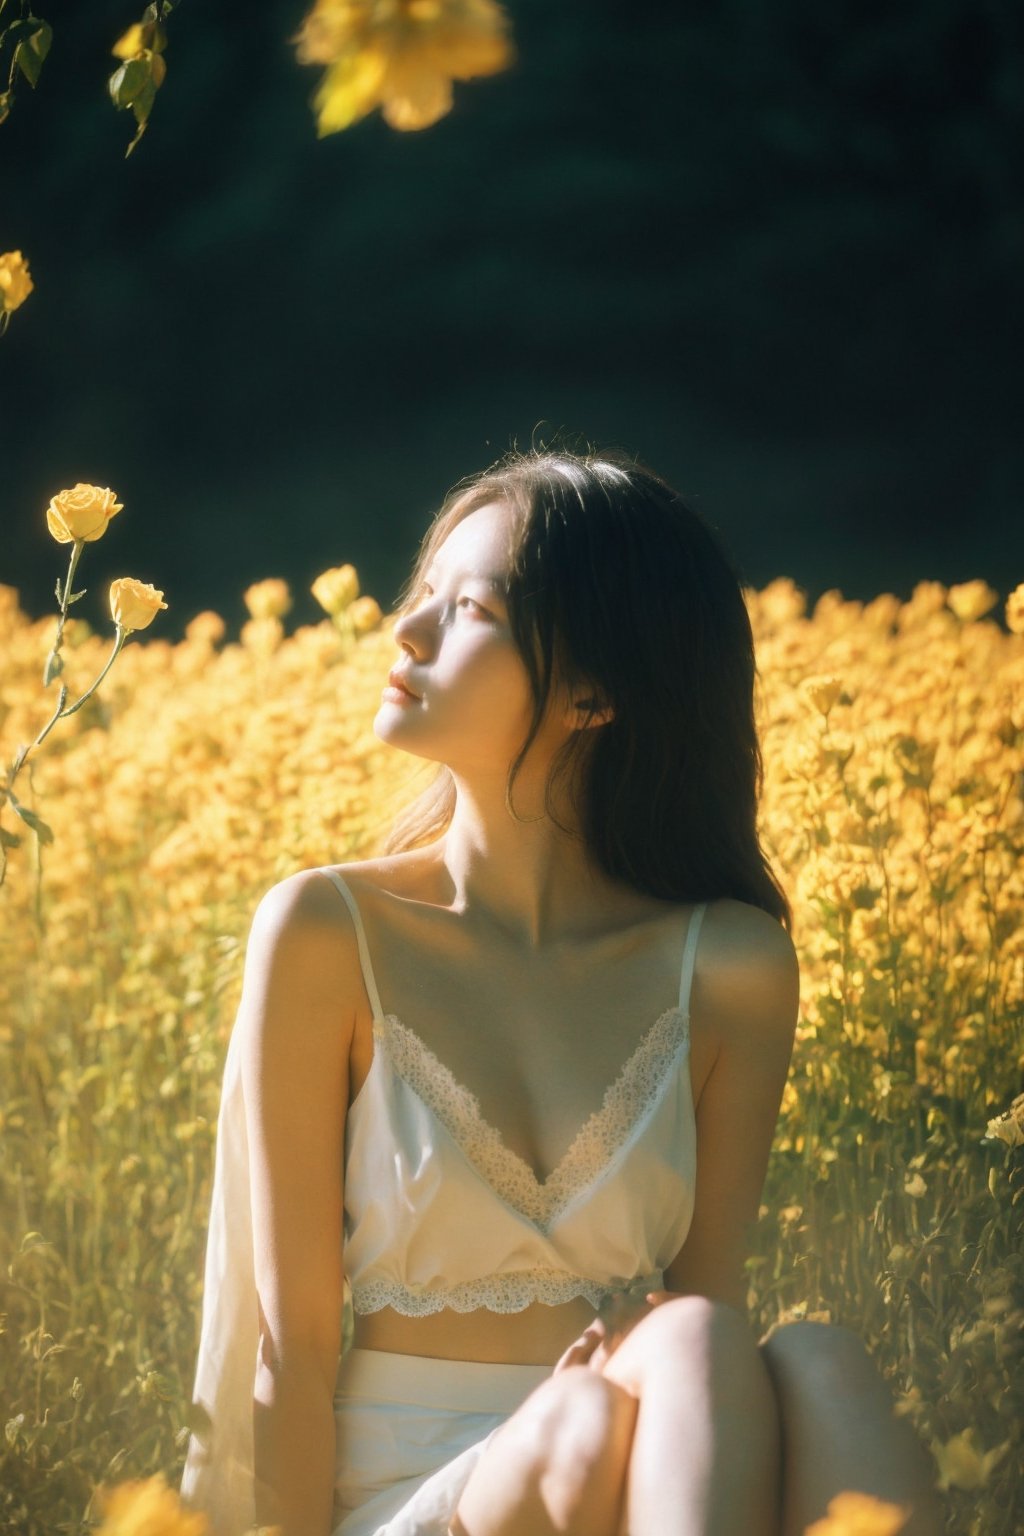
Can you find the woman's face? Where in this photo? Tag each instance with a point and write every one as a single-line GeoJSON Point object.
{"type": "Point", "coordinates": [474, 705]}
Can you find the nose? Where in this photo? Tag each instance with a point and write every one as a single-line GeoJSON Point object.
{"type": "Point", "coordinates": [411, 631]}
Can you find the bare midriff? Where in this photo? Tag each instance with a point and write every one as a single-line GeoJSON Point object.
{"type": "Point", "coordinates": [536, 1336]}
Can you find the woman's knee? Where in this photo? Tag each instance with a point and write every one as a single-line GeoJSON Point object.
{"type": "Point", "coordinates": [565, 1453]}
{"type": "Point", "coordinates": [689, 1321]}
{"type": "Point", "coordinates": [574, 1421]}
{"type": "Point", "coordinates": [831, 1352]}
{"type": "Point", "coordinates": [820, 1370]}
{"type": "Point", "coordinates": [706, 1339]}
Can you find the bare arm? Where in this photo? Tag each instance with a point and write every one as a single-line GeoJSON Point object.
{"type": "Point", "coordinates": [751, 996]}
{"type": "Point", "coordinates": [749, 999]}
{"type": "Point", "coordinates": [296, 1014]}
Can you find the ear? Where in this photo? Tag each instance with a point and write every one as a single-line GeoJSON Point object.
{"type": "Point", "coordinates": [601, 716]}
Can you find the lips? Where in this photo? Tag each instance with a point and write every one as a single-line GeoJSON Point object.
{"type": "Point", "coordinates": [397, 681]}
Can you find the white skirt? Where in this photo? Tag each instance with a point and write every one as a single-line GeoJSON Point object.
{"type": "Point", "coordinates": [410, 1430]}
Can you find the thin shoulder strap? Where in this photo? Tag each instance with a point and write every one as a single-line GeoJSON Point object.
{"type": "Point", "coordinates": [689, 955]}
{"type": "Point", "coordinates": [364, 951]}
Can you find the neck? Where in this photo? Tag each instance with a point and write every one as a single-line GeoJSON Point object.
{"type": "Point", "coordinates": [528, 879]}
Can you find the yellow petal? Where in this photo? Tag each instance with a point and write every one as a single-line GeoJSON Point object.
{"type": "Point", "coordinates": [349, 89]}
{"type": "Point", "coordinates": [413, 96]}
{"type": "Point", "coordinates": [130, 42]}
{"type": "Point", "coordinates": [462, 53]}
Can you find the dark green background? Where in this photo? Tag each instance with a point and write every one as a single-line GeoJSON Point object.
{"type": "Point", "coordinates": [776, 249]}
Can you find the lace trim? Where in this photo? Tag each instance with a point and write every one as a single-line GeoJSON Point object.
{"type": "Point", "coordinates": [495, 1293]}
{"type": "Point", "coordinates": [626, 1101]}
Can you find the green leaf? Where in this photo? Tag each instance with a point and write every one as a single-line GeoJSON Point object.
{"type": "Point", "coordinates": [5, 105]}
{"type": "Point", "coordinates": [57, 592]}
{"type": "Point", "coordinates": [142, 106]}
{"type": "Point", "coordinates": [38, 825]}
{"type": "Point", "coordinates": [157, 12]}
{"type": "Point", "coordinates": [76, 595]}
{"type": "Point", "coordinates": [126, 83]}
{"type": "Point", "coordinates": [198, 1420]}
{"type": "Point", "coordinates": [33, 50]}
{"type": "Point", "coordinates": [20, 31]}
{"type": "Point", "coordinates": [54, 668]}
{"type": "Point", "coordinates": [9, 839]}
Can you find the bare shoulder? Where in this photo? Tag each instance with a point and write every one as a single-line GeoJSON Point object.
{"type": "Point", "coordinates": [399, 874]}
{"type": "Point", "coordinates": [304, 899]}
{"type": "Point", "coordinates": [747, 970]}
{"type": "Point", "coordinates": [303, 931]}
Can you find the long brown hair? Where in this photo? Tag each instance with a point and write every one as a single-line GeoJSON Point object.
{"type": "Point", "coordinates": [620, 588]}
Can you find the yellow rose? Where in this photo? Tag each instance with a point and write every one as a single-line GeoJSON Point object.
{"type": "Point", "coordinates": [134, 604]}
{"type": "Point", "coordinates": [336, 588]}
{"type": "Point", "coordinates": [268, 599]}
{"type": "Point", "coordinates": [81, 513]}
{"type": "Point", "coordinates": [365, 614]}
{"type": "Point", "coordinates": [206, 626]}
{"type": "Point", "coordinates": [15, 283]}
{"type": "Point", "coordinates": [971, 599]}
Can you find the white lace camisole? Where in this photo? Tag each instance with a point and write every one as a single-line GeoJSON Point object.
{"type": "Point", "coordinates": [439, 1212]}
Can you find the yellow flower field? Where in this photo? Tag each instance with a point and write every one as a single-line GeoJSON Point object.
{"type": "Point", "coordinates": [204, 771]}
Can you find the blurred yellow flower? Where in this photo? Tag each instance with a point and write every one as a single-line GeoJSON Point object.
{"type": "Point", "coordinates": [81, 513]}
{"type": "Point", "coordinates": [268, 599]}
{"type": "Point", "coordinates": [134, 604]}
{"type": "Point", "coordinates": [206, 626]}
{"type": "Point", "coordinates": [1015, 610]}
{"type": "Point", "coordinates": [399, 55]}
{"type": "Point", "coordinates": [971, 600]}
{"type": "Point", "coordinates": [822, 691]}
{"type": "Point", "coordinates": [15, 283]}
{"type": "Point", "coordinates": [859, 1514]}
{"type": "Point", "coordinates": [147, 1508]}
{"type": "Point", "coordinates": [915, 1186]}
{"type": "Point", "coordinates": [335, 589]}
{"type": "Point", "coordinates": [262, 636]}
{"type": "Point", "coordinates": [781, 602]}
{"type": "Point", "coordinates": [962, 1465]}
{"type": "Point", "coordinates": [365, 615]}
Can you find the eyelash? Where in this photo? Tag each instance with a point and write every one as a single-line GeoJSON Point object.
{"type": "Point", "coordinates": [424, 587]}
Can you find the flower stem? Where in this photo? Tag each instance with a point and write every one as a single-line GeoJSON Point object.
{"type": "Point", "coordinates": [61, 713]}
{"type": "Point", "coordinates": [47, 728]}
{"type": "Point", "coordinates": [53, 668]}
{"type": "Point", "coordinates": [120, 637]}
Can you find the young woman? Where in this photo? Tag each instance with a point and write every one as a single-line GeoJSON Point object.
{"type": "Point", "coordinates": [515, 1081]}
